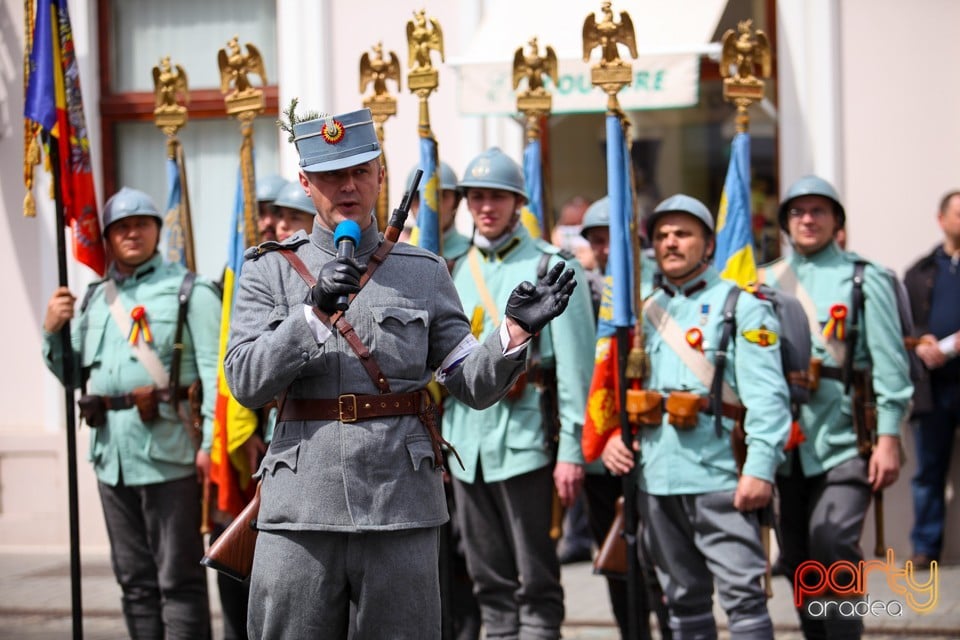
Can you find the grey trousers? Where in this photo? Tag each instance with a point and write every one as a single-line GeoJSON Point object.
{"type": "Point", "coordinates": [696, 540]}
{"type": "Point", "coordinates": [155, 550]}
{"type": "Point", "coordinates": [821, 518]}
{"type": "Point", "coordinates": [510, 556]}
{"type": "Point", "coordinates": [304, 583]}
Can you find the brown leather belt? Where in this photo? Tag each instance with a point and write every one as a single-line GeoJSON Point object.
{"type": "Point", "coordinates": [733, 411]}
{"type": "Point", "coordinates": [126, 401]}
{"type": "Point", "coordinates": [351, 407]}
{"type": "Point", "coordinates": [833, 373]}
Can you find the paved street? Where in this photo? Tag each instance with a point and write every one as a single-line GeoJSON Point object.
{"type": "Point", "coordinates": [35, 603]}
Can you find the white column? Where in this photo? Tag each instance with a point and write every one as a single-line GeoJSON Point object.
{"type": "Point", "coordinates": [809, 78]}
{"type": "Point", "coordinates": [304, 53]}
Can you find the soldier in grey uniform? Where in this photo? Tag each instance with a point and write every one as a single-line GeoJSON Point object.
{"type": "Point", "coordinates": [352, 490]}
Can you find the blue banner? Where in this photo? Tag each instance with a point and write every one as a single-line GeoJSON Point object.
{"type": "Point", "coordinates": [428, 214]}
{"type": "Point", "coordinates": [620, 262]}
{"type": "Point", "coordinates": [533, 177]}
{"type": "Point", "coordinates": [173, 235]}
{"type": "Point", "coordinates": [734, 257]}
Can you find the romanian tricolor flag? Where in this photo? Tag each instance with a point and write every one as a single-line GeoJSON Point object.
{"type": "Point", "coordinates": [54, 106]}
{"type": "Point", "coordinates": [428, 214]}
{"type": "Point", "coordinates": [734, 257]}
{"type": "Point", "coordinates": [533, 178]}
{"type": "Point", "coordinates": [616, 308]}
{"type": "Point", "coordinates": [233, 423]}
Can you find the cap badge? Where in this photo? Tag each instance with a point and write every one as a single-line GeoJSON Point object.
{"type": "Point", "coordinates": [332, 131]}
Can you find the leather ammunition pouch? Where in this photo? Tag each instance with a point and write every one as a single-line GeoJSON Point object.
{"type": "Point", "coordinates": [145, 400]}
{"type": "Point", "coordinates": [813, 376]}
{"type": "Point", "coordinates": [819, 371]}
{"type": "Point", "coordinates": [683, 409]}
{"type": "Point", "coordinates": [644, 407]}
{"type": "Point", "coordinates": [93, 410]}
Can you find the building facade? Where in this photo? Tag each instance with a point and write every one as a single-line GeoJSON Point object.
{"type": "Point", "coordinates": [863, 94]}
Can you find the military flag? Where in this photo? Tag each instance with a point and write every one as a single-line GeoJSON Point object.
{"type": "Point", "coordinates": [53, 102]}
{"type": "Point", "coordinates": [533, 177]}
{"type": "Point", "coordinates": [734, 256]}
{"type": "Point", "coordinates": [428, 215]}
{"type": "Point", "coordinates": [173, 231]}
{"type": "Point", "coordinates": [616, 307]}
{"type": "Point", "coordinates": [233, 423]}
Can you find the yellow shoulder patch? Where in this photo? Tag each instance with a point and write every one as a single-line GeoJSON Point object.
{"type": "Point", "coordinates": [762, 336]}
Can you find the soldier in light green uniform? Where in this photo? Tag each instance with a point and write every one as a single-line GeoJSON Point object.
{"type": "Point", "coordinates": [148, 466]}
{"type": "Point", "coordinates": [455, 244]}
{"type": "Point", "coordinates": [504, 493]}
{"type": "Point", "coordinates": [824, 480]}
{"type": "Point", "coordinates": [699, 510]}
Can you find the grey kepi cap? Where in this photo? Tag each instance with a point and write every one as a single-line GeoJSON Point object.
{"type": "Point", "coordinates": [330, 143]}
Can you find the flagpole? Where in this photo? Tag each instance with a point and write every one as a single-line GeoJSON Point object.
{"type": "Point", "coordinates": [535, 103]}
{"type": "Point", "coordinates": [377, 70]}
{"type": "Point", "coordinates": [612, 74]}
{"type": "Point", "coordinates": [69, 387]}
{"type": "Point", "coordinates": [424, 35]}
{"type": "Point", "coordinates": [742, 51]}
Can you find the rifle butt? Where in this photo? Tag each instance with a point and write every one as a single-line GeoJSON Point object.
{"type": "Point", "coordinates": [232, 553]}
{"type": "Point", "coordinates": [556, 517]}
{"type": "Point", "coordinates": [205, 508]}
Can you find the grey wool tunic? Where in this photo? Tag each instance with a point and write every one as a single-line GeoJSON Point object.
{"type": "Point", "coordinates": [369, 475]}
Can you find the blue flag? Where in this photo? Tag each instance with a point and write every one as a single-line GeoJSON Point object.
{"type": "Point", "coordinates": [734, 257]}
{"type": "Point", "coordinates": [173, 221]}
{"type": "Point", "coordinates": [620, 262]}
{"type": "Point", "coordinates": [533, 177]}
{"type": "Point", "coordinates": [428, 215]}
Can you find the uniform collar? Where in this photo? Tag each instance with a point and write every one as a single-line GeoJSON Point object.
{"type": "Point", "coordinates": [139, 273]}
{"type": "Point", "coordinates": [827, 254]}
{"type": "Point", "coordinates": [505, 245]}
{"type": "Point", "coordinates": [692, 287]}
{"type": "Point", "coordinates": [370, 238]}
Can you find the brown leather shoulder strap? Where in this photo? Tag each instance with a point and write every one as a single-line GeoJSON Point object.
{"type": "Point", "coordinates": [339, 321]}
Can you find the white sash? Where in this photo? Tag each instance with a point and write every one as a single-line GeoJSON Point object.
{"type": "Point", "coordinates": [144, 354]}
{"type": "Point", "coordinates": [787, 280]}
{"type": "Point", "coordinates": [694, 360]}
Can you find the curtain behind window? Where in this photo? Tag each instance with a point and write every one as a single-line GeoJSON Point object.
{"type": "Point", "coordinates": [191, 32]}
{"type": "Point", "coordinates": [212, 151]}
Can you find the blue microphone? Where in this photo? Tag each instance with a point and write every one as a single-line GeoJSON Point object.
{"type": "Point", "coordinates": [346, 237]}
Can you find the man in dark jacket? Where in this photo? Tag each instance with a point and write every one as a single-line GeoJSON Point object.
{"type": "Point", "coordinates": [933, 284]}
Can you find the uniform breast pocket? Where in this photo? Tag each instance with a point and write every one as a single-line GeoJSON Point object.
{"type": "Point", "coordinates": [90, 346]}
{"type": "Point", "coordinates": [400, 340]}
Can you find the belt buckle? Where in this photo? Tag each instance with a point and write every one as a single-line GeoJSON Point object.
{"type": "Point", "coordinates": [351, 413]}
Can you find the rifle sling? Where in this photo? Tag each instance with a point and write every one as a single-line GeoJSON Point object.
{"type": "Point", "coordinates": [339, 321]}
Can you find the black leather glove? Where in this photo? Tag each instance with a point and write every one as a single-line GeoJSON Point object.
{"type": "Point", "coordinates": [339, 277]}
{"type": "Point", "coordinates": [532, 307]}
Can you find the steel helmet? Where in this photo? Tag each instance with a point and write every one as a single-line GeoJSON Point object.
{"type": "Point", "coordinates": [596, 215]}
{"type": "Point", "coordinates": [268, 187]}
{"type": "Point", "coordinates": [811, 186]}
{"type": "Point", "coordinates": [448, 177]}
{"type": "Point", "coordinates": [680, 203]}
{"type": "Point", "coordinates": [293, 196]}
{"type": "Point", "coordinates": [493, 169]}
{"type": "Point", "coordinates": [126, 203]}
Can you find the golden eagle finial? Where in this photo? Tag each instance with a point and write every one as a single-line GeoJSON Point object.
{"type": "Point", "coordinates": [235, 66]}
{"type": "Point", "coordinates": [378, 70]}
{"type": "Point", "coordinates": [533, 67]}
{"type": "Point", "coordinates": [607, 34]}
{"type": "Point", "coordinates": [423, 36]}
{"type": "Point", "coordinates": [745, 51]}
